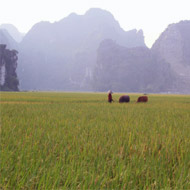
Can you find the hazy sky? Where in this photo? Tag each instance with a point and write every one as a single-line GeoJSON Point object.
{"type": "Point", "coordinates": [152, 16]}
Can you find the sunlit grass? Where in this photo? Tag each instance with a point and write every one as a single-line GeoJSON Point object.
{"type": "Point", "coordinates": [80, 141]}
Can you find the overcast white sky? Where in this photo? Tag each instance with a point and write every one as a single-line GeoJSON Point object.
{"type": "Point", "coordinates": [152, 16]}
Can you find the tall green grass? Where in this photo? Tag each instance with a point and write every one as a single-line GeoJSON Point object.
{"type": "Point", "coordinates": [80, 141]}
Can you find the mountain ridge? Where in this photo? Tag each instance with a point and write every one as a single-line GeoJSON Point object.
{"type": "Point", "coordinates": [63, 55]}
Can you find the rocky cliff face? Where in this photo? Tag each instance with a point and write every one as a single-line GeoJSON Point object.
{"type": "Point", "coordinates": [135, 69]}
{"type": "Point", "coordinates": [174, 46]}
{"type": "Point", "coordinates": [8, 65]}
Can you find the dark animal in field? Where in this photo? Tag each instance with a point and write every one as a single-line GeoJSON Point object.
{"type": "Point", "coordinates": [142, 99]}
{"type": "Point", "coordinates": [124, 98]}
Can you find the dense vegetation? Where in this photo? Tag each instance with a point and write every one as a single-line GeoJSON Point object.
{"type": "Point", "coordinates": [80, 141]}
{"type": "Point", "coordinates": [8, 65]}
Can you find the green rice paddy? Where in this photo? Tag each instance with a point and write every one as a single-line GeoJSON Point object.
{"type": "Point", "coordinates": [80, 141]}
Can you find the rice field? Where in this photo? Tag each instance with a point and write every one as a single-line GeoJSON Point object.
{"type": "Point", "coordinates": [52, 140]}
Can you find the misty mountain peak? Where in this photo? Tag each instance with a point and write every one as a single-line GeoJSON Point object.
{"type": "Point", "coordinates": [13, 31]}
{"type": "Point", "coordinates": [140, 32]}
{"type": "Point", "coordinates": [70, 19]}
{"type": "Point", "coordinates": [42, 24]}
{"type": "Point", "coordinates": [97, 12]}
{"type": "Point", "coordinates": [6, 38]}
{"type": "Point", "coordinates": [93, 16]}
{"type": "Point", "coordinates": [174, 46]}
{"type": "Point", "coordinates": [73, 15]}
{"type": "Point", "coordinates": [40, 28]}
{"type": "Point", "coordinates": [173, 43]}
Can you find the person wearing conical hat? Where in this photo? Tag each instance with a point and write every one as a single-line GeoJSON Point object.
{"type": "Point", "coordinates": [110, 99]}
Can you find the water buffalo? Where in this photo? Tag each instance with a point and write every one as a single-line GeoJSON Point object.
{"type": "Point", "coordinates": [124, 98]}
{"type": "Point", "coordinates": [142, 99]}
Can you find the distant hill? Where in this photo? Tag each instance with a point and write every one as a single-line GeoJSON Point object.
{"type": "Point", "coordinates": [174, 46]}
{"type": "Point", "coordinates": [13, 31]}
{"type": "Point", "coordinates": [135, 69]}
{"type": "Point", "coordinates": [5, 38]}
{"type": "Point", "coordinates": [62, 55]}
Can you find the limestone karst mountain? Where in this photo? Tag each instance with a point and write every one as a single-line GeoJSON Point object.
{"type": "Point", "coordinates": [135, 69]}
{"type": "Point", "coordinates": [62, 55]}
{"type": "Point", "coordinates": [174, 46]}
{"type": "Point", "coordinates": [66, 55]}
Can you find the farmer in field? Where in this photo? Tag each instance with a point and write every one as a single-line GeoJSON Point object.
{"type": "Point", "coordinates": [110, 99]}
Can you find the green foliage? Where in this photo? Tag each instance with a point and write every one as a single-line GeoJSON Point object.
{"type": "Point", "coordinates": [11, 84]}
{"type": "Point", "coordinates": [80, 141]}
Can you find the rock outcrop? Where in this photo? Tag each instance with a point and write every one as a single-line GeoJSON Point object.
{"type": "Point", "coordinates": [135, 69]}
{"type": "Point", "coordinates": [8, 65]}
{"type": "Point", "coordinates": [174, 46]}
